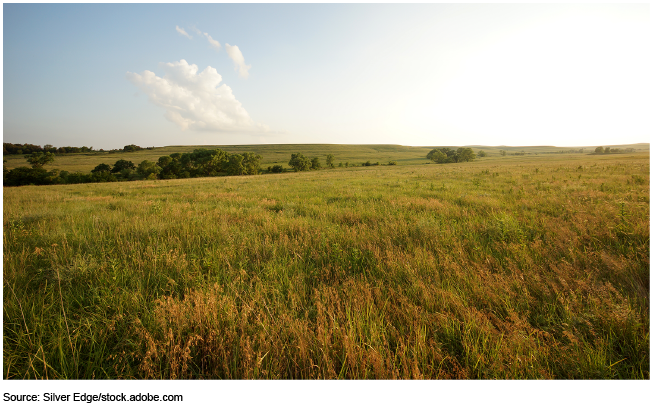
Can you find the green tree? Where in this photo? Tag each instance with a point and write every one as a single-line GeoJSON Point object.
{"type": "Point", "coordinates": [235, 165]}
{"type": "Point", "coordinates": [299, 162]}
{"type": "Point", "coordinates": [607, 150]}
{"type": "Point", "coordinates": [131, 148]}
{"type": "Point", "coordinates": [121, 165]}
{"type": "Point", "coordinates": [251, 163]}
{"type": "Point", "coordinates": [148, 169]}
{"type": "Point", "coordinates": [101, 168]}
{"type": "Point", "coordinates": [38, 159]}
{"type": "Point", "coordinates": [437, 156]}
{"type": "Point", "coordinates": [102, 176]}
{"type": "Point", "coordinates": [206, 162]}
{"type": "Point", "coordinates": [502, 152]}
{"type": "Point", "coordinates": [465, 155]}
{"type": "Point", "coordinates": [329, 161]}
{"type": "Point", "coordinates": [315, 163]}
{"type": "Point", "coordinates": [481, 154]}
{"type": "Point", "coordinates": [448, 155]}
{"type": "Point", "coordinates": [26, 176]}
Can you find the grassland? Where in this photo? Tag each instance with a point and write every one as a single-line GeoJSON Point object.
{"type": "Point", "coordinates": [506, 268]}
{"type": "Point", "coordinates": [279, 154]}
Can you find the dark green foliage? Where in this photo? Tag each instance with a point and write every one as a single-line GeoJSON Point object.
{"type": "Point", "coordinates": [481, 154]}
{"type": "Point", "coordinates": [392, 163]}
{"type": "Point", "coordinates": [131, 148]}
{"type": "Point", "coordinates": [329, 161]}
{"type": "Point", "coordinates": [299, 162]}
{"type": "Point", "coordinates": [102, 168]}
{"type": "Point", "coordinates": [465, 155]}
{"type": "Point", "coordinates": [148, 170]}
{"type": "Point", "coordinates": [448, 155]}
{"type": "Point", "coordinates": [251, 163]}
{"type": "Point", "coordinates": [18, 149]}
{"type": "Point", "coordinates": [315, 163]}
{"type": "Point", "coordinates": [205, 162]}
{"type": "Point", "coordinates": [102, 176]}
{"type": "Point", "coordinates": [121, 165]}
{"type": "Point", "coordinates": [208, 162]}
{"type": "Point", "coordinates": [77, 177]}
{"type": "Point", "coordinates": [276, 169]}
{"type": "Point", "coordinates": [235, 165]}
{"type": "Point", "coordinates": [25, 176]}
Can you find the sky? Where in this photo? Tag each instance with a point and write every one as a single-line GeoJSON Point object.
{"type": "Point", "coordinates": [109, 75]}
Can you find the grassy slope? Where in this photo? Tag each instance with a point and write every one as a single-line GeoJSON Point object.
{"type": "Point", "coordinates": [509, 268]}
{"type": "Point", "coordinates": [280, 154]}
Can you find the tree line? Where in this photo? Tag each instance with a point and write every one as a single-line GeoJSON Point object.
{"type": "Point", "coordinates": [608, 150]}
{"type": "Point", "coordinates": [199, 163]}
{"type": "Point", "coordinates": [22, 149]}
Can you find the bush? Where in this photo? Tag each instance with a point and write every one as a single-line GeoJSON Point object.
{"type": "Point", "coordinates": [148, 168]}
{"type": "Point", "coordinates": [102, 168]}
{"type": "Point", "coordinates": [121, 165]}
{"type": "Point", "coordinates": [26, 176]}
{"type": "Point", "coordinates": [299, 162]}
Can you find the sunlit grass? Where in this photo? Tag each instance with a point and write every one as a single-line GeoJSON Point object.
{"type": "Point", "coordinates": [507, 269]}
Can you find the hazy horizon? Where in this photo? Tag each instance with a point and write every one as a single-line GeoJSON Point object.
{"type": "Point", "coordinates": [109, 75]}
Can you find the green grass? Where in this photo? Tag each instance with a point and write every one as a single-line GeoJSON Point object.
{"type": "Point", "coordinates": [279, 154]}
{"type": "Point", "coordinates": [505, 268]}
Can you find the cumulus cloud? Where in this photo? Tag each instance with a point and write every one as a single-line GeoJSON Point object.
{"type": "Point", "coordinates": [235, 54]}
{"type": "Point", "coordinates": [214, 43]}
{"type": "Point", "coordinates": [183, 32]}
{"type": "Point", "coordinates": [195, 100]}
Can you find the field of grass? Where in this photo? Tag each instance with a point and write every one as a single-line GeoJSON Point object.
{"type": "Point", "coordinates": [279, 154]}
{"type": "Point", "coordinates": [510, 268]}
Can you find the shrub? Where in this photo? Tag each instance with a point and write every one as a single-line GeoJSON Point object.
{"type": "Point", "coordinates": [299, 162]}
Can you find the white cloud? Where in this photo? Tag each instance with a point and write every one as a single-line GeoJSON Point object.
{"type": "Point", "coordinates": [193, 100]}
{"type": "Point", "coordinates": [235, 54]}
{"type": "Point", "coordinates": [196, 30]}
{"type": "Point", "coordinates": [215, 44]}
{"type": "Point", "coordinates": [182, 32]}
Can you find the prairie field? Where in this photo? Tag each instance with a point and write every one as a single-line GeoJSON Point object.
{"type": "Point", "coordinates": [278, 154]}
{"type": "Point", "coordinates": [505, 268]}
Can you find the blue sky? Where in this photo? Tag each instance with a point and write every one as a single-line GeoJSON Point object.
{"type": "Point", "coordinates": [107, 75]}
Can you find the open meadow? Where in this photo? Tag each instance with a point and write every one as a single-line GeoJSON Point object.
{"type": "Point", "coordinates": [532, 267]}
{"type": "Point", "coordinates": [278, 154]}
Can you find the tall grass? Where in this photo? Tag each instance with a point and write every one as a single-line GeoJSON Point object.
{"type": "Point", "coordinates": [497, 269]}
